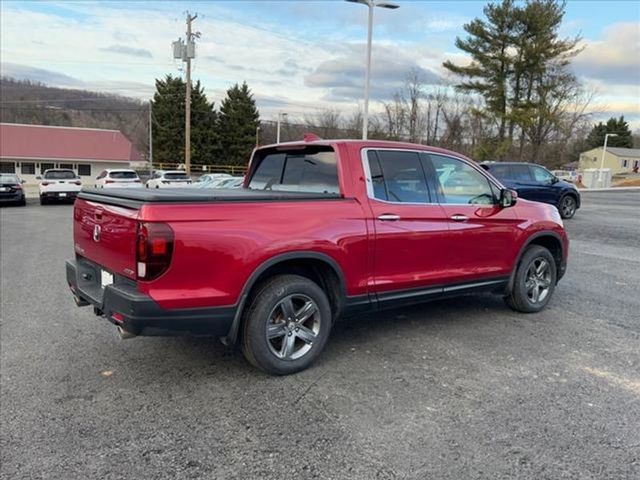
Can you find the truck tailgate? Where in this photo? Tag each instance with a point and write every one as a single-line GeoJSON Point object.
{"type": "Point", "coordinates": [106, 234]}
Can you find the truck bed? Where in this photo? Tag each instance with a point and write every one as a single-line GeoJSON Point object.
{"type": "Point", "coordinates": [134, 198]}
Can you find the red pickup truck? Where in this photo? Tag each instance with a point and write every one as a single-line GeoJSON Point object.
{"type": "Point", "coordinates": [321, 229]}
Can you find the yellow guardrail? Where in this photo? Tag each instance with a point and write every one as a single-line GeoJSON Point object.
{"type": "Point", "coordinates": [235, 170]}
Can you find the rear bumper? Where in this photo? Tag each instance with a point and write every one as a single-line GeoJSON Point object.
{"type": "Point", "coordinates": [12, 197]}
{"type": "Point", "coordinates": [139, 314]}
{"type": "Point", "coordinates": [59, 195]}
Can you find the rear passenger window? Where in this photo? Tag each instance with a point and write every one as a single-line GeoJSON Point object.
{"type": "Point", "coordinates": [501, 172]}
{"type": "Point", "coordinates": [520, 173]}
{"type": "Point", "coordinates": [397, 176]}
{"type": "Point", "coordinates": [312, 170]}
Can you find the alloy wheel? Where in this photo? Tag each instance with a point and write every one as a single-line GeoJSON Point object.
{"type": "Point", "coordinates": [294, 324]}
{"type": "Point", "coordinates": [538, 280]}
{"type": "Point", "coordinates": [568, 207]}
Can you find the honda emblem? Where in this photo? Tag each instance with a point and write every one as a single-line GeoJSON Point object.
{"type": "Point", "coordinates": [96, 233]}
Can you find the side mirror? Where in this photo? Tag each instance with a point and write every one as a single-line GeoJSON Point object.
{"type": "Point", "coordinates": [38, 177]}
{"type": "Point", "coordinates": [508, 198]}
{"type": "Point", "coordinates": [23, 181]}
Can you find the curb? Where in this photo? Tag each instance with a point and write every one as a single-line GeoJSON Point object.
{"type": "Point", "coordinates": [613, 189]}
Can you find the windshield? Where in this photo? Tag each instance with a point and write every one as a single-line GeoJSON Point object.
{"type": "Point", "coordinates": [4, 178]}
{"type": "Point", "coordinates": [176, 176]}
{"type": "Point", "coordinates": [59, 175]}
{"type": "Point", "coordinates": [123, 175]}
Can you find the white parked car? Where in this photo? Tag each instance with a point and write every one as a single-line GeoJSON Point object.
{"type": "Point", "coordinates": [118, 178]}
{"type": "Point", "coordinates": [169, 179]}
{"type": "Point", "coordinates": [58, 184]}
{"type": "Point", "coordinates": [233, 182]}
{"type": "Point", "coordinates": [566, 175]}
{"type": "Point", "coordinates": [210, 177]}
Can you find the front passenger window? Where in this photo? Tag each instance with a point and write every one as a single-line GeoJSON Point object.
{"type": "Point", "coordinates": [397, 176]}
{"type": "Point", "coordinates": [542, 175]}
{"type": "Point", "coordinates": [459, 183]}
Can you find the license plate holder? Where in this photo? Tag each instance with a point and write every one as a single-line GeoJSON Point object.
{"type": "Point", "coordinates": [62, 194]}
{"type": "Point", "coordinates": [106, 278]}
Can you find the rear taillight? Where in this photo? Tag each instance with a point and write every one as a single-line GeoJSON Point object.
{"type": "Point", "coordinates": [137, 181]}
{"type": "Point", "coordinates": [165, 181]}
{"type": "Point", "coordinates": [44, 184]}
{"type": "Point", "coordinates": [78, 182]}
{"type": "Point", "coordinates": [109, 181]}
{"type": "Point", "coordinates": [154, 248]}
{"type": "Point", "coordinates": [18, 187]}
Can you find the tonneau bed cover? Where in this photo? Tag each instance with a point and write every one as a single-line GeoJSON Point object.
{"type": "Point", "coordinates": [134, 198]}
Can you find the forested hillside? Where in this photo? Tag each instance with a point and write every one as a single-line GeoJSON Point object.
{"type": "Point", "coordinates": [35, 103]}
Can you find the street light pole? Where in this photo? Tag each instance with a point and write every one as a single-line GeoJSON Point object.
{"type": "Point", "coordinates": [281, 115]}
{"type": "Point", "coordinates": [367, 76]}
{"type": "Point", "coordinates": [604, 152]}
{"type": "Point", "coordinates": [367, 73]}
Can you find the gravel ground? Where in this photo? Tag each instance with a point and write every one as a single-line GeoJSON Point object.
{"type": "Point", "coordinates": [455, 389]}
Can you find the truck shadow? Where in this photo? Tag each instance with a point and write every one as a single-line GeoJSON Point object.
{"type": "Point", "coordinates": [206, 355]}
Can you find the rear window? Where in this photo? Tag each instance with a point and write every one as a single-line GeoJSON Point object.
{"type": "Point", "coordinates": [176, 176]}
{"type": "Point", "coordinates": [312, 170]}
{"type": "Point", "coordinates": [123, 175]}
{"type": "Point", "coordinates": [9, 179]}
{"type": "Point", "coordinates": [60, 175]}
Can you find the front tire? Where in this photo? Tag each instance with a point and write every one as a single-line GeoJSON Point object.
{"type": "Point", "coordinates": [534, 282]}
{"type": "Point", "coordinates": [287, 325]}
{"type": "Point", "coordinates": [567, 207]}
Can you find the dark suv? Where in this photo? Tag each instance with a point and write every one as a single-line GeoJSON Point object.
{"type": "Point", "coordinates": [534, 182]}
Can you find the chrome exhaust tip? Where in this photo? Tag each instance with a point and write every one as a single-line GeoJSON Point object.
{"type": "Point", "coordinates": [124, 334]}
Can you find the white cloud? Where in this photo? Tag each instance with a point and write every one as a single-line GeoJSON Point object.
{"type": "Point", "coordinates": [287, 66]}
{"type": "Point", "coordinates": [614, 59]}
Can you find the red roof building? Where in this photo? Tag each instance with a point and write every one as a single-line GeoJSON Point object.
{"type": "Point", "coordinates": [29, 150]}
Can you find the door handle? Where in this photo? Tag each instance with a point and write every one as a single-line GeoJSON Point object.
{"type": "Point", "coordinates": [459, 218]}
{"type": "Point", "coordinates": [389, 217]}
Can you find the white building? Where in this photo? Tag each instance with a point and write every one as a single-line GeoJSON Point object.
{"type": "Point", "coordinates": [29, 150]}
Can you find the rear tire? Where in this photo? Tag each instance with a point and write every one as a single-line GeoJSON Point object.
{"type": "Point", "coordinates": [287, 325]}
{"type": "Point", "coordinates": [534, 282]}
{"type": "Point", "coordinates": [43, 201]}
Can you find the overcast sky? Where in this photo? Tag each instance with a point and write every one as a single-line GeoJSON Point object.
{"type": "Point", "coordinates": [295, 55]}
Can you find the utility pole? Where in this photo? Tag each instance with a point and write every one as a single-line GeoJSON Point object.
{"type": "Point", "coordinates": [187, 99]}
{"type": "Point", "coordinates": [150, 139]}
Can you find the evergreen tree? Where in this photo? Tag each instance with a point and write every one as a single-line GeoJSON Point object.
{"type": "Point", "coordinates": [238, 121]}
{"type": "Point", "coordinates": [619, 126]}
{"type": "Point", "coordinates": [168, 126]}
{"type": "Point", "coordinates": [519, 67]}
{"type": "Point", "coordinates": [488, 44]}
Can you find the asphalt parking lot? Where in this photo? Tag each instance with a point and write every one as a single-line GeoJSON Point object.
{"type": "Point", "coordinates": [457, 389]}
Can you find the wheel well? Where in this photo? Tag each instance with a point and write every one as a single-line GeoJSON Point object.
{"type": "Point", "coordinates": [553, 245]}
{"type": "Point", "coordinates": [316, 270]}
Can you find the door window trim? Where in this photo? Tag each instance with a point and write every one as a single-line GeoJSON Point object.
{"type": "Point", "coordinates": [429, 175]}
